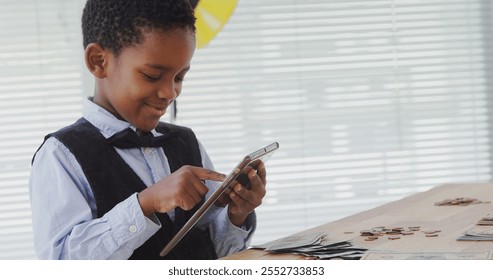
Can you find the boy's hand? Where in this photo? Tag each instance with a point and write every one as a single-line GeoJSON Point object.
{"type": "Point", "coordinates": [183, 188]}
{"type": "Point", "coordinates": [244, 199]}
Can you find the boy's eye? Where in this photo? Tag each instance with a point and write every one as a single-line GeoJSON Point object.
{"type": "Point", "coordinates": [179, 79]}
{"type": "Point", "coordinates": [151, 77]}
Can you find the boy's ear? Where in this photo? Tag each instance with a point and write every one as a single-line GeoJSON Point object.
{"type": "Point", "coordinates": [96, 60]}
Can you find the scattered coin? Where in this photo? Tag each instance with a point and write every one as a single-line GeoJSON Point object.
{"type": "Point", "coordinates": [395, 233]}
{"type": "Point", "coordinates": [431, 231]}
{"type": "Point", "coordinates": [371, 238]}
{"type": "Point", "coordinates": [392, 233]}
{"type": "Point", "coordinates": [461, 201]}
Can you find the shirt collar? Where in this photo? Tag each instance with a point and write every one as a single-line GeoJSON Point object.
{"type": "Point", "coordinates": [107, 123]}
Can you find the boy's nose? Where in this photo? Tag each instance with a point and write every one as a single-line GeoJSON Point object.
{"type": "Point", "coordinates": [167, 91]}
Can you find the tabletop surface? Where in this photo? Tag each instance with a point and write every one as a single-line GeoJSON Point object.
{"type": "Point", "coordinates": [435, 228]}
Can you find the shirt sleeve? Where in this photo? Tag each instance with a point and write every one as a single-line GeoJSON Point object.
{"type": "Point", "coordinates": [226, 237]}
{"type": "Point", "coordinates": [64, 212]}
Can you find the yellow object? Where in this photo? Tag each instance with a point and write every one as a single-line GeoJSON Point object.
{"type": "Point", "coordinates": [211, 16]}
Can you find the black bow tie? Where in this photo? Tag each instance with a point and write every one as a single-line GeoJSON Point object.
{"type": "Point", "coordinates": [128, 138]}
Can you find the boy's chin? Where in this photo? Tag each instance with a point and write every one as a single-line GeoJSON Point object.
{"type": "Point", "coordinates": [147, 126]}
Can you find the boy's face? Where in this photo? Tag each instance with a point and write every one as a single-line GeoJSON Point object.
{"type": "Point", "coordinates": [144, 79]}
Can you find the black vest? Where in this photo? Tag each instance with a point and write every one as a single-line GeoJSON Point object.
{"type": "Point", "coordinates": [112, 181]}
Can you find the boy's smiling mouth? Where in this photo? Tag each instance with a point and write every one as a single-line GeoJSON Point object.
{"type": "Point", "coordinates": [158, 109]}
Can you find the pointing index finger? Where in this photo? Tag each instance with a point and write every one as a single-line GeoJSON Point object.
{"type": "Point", "coordinates": [207, 174]}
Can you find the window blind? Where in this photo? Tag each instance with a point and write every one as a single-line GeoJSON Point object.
{"type": "Point", "coordinates": [40, 91]}
{"type": "Point", "coordinates": [370, 101]}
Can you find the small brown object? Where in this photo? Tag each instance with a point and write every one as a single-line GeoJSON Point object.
{"type": "Point", "coordinates": [431, 231]}
{"type": "Point", "coordinates": [461, 201]}
{"type": "Point", "coordinates": [366, 233]}
{"type": "Point", "coordinates": [371, 238]}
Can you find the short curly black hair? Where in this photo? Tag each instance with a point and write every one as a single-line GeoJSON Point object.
{"type": "Point", "coordinates": [116, 24]}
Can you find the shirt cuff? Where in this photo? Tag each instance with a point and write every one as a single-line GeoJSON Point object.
{"type": "Point", "coordinates": [129, 227]}
{"type": "Point", "coordinates": [229, 238]}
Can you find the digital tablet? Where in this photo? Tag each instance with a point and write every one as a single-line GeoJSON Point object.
{"type": "Point", "coordinates": [237, 175]}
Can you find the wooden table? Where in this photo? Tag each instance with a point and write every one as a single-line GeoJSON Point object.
{"type": "Point", "coordinates": [416, 210]}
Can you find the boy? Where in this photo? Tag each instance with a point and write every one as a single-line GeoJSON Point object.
{"type": "Point", "coordinates": [118, 184]}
